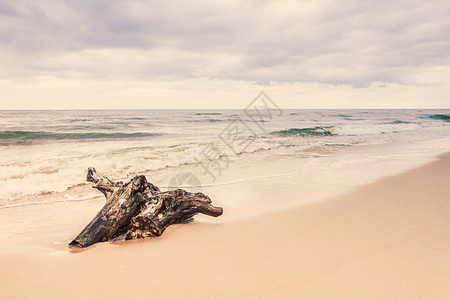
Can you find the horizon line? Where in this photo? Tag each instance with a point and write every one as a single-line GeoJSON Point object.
{"type": "Point", "coordinates": [114, 109]}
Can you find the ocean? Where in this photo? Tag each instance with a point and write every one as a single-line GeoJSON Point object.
{"type": "Point", "coordinates": [45, 154]}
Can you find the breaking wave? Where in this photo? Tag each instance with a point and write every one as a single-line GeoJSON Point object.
{"type": "Point", "coordinates": [440, 117]}
{"type": "Point", "coordinates": [208, 114]}
{"type": "Point", "coordinates": [43, 135]}
{"type": "Point", "coordinates": [314, 131]}
{"type": "Point", "coordinates": [400, 122]}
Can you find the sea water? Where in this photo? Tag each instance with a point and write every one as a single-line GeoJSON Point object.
{"type": "Point", "coordinates": [48, 152]}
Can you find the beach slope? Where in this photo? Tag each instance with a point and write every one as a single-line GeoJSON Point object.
{"type": "Point", "coordinates": [384, 240]}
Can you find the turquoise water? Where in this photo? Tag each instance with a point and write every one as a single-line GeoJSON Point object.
{"type": "Point", "coordinates": [315, 131]}
{"type": "Point", "coordinates": [42, 135]}
{"type": "Point", "coordinates": [49, 151]}
{"type": "Point", "coordinates": [440, 117]}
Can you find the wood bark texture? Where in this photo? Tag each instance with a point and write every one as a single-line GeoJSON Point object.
{"type": "Point", "coordinates": [138, 209]}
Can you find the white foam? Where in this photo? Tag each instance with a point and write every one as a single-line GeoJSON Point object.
{"type": "Point", "coordinates": [27, 170]}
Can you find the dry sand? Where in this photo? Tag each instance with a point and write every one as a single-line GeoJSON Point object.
{"type": "Point", "coordinates": [385, 240]}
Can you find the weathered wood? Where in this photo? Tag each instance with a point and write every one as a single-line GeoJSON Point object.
{"type": "Point", "coordinates": [165, 209]}
{"type": "Point", "coordinates": [138, 209]}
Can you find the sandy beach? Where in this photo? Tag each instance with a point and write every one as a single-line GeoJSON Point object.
{"type": "Point", "coordinates": [311, 137]}
{"type": "Point", "coordinates": [383, 240]}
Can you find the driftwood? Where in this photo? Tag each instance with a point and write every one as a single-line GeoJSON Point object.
{"type": "Point", "coordinates": [138, 209]}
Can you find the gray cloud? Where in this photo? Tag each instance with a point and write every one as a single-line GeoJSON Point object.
{"type": "Point", "coordinates": [335, 42]}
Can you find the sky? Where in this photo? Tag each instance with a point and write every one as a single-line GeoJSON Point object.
{"type": "Point", "coordinates": [105, 54]}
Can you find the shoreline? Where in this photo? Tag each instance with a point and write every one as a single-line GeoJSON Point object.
{"type": "Point", "coordinates": [246, 191]}
{"type": "Point", "coordinates": [385, 239]}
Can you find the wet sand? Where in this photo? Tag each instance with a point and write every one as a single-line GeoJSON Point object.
{"type": "Point", "coordinates": [387, 239]}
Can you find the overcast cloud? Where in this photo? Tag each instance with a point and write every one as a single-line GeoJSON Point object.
{"type": "Point", "coordinates": [351, 43]}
